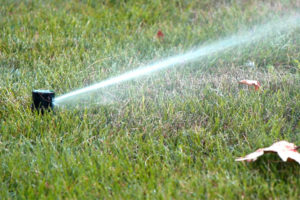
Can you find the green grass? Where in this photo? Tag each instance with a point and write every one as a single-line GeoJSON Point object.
{"type": "Point", "coordinates": [173, 135]}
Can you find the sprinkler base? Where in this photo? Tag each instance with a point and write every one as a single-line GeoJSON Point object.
{"type": "Point", "coordinates": [42, 100]}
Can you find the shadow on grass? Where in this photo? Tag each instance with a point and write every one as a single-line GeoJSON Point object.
{"type": "Point", "coordinates": [271, 165]}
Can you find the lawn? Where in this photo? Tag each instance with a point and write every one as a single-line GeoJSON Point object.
{"type": "Point", "coordinates": [173, 134]}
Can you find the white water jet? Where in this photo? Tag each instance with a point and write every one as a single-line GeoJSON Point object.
{"type": "Point", "coordinates": [284, 25]}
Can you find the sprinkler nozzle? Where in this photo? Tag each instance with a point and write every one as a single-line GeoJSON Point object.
{"type": "Point", "coordinates": [42, 100]}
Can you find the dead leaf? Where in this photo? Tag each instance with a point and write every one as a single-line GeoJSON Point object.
{"type": "Point", "coordinates": [160, 34]}
{"type": "Point", "coordinates": [254, 83]}
{"type": "Point", "coordinates": [286, 151]}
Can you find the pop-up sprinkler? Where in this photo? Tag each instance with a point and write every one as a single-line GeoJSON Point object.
{"type": "Point", "coordinates": [42, 100]}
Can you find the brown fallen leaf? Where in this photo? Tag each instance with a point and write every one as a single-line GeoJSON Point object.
{"type": "Point", "coordinates": [286, 151]}
{"type": "Point", "coordinates": [254, 83]}
{"type": "Point", "coordinates": [160, 34]}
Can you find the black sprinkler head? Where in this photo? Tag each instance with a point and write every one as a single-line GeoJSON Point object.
{"type": "Point", "coordinates": [42, 100]}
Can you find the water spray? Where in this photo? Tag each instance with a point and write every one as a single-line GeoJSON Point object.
{"type": "Point", "coordinates": [42, 100]}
